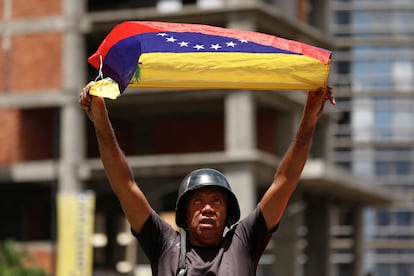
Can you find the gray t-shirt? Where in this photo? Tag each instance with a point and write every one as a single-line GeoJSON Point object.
{"type": "Point", "coordinates": [238, 254]}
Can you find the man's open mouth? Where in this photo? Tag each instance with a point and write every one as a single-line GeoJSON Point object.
{"type": "Point", "coordinates": [207, 222]}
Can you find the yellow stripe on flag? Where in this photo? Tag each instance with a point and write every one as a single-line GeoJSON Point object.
{"type": "Point", "coordinates": [256, 71]}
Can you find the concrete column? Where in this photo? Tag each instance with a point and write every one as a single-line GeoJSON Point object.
{"type": "Point", "coordinates": [243, 183]}
{"type": "Point", "coordinates": [240, 122]}
{"type": "Point", "coordinates": [289, 241]}
{"type": "Point", "coordinates": [240, 138]}
{"type": "Point", "coordinates": [318, 224]}
{"type": "Point", "coordinates": [289, 8]}
{"type": "Point", "coordinates": [167, 6]}
{"type": "Point", "coordinates": [238, 2]}
{"type": "Point", "coordinates": [210, 4]}
{"type": "Point", "coordinates": [240, 21]}
{"type": "Point", "coordinates": [320, 10]}
{"type": "Point", "coordinates": [72, 136]}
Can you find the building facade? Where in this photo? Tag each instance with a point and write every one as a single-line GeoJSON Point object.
{"type": "Point", "coordinates": [48, 144]}
{"type": "Point", "coordinates": [374, 80]}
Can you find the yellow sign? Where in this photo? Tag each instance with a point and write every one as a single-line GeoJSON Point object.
{"type": "Point", "coordinates": [75, 229]}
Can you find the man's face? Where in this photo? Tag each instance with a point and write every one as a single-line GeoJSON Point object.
{"type": "Point", "coordinates": [206, 216]}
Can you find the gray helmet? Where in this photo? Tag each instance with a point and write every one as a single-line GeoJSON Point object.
{"type": "Point", "coordinates": [202, 178]}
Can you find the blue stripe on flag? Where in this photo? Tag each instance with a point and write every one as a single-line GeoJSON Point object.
{"type": "Point", "coordinates": [186, 42]}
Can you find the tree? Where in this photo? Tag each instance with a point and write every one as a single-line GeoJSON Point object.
{"type": "Point", "coordinates": [14, 262]}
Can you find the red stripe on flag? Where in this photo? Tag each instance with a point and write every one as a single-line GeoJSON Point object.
{"type": "Point", "coordinates": [130, 28]}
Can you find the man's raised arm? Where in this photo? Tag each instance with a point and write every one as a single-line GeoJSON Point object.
{"type": "Point", "coordinates": [133, 201]}
{"type": "Point", "coordinates": [288, 173]}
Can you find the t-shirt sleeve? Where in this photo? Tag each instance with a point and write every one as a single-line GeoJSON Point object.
{"type": "Point", "coordinates": [156, 236]}
{"type": "Point", "coordinates": [253, 232]}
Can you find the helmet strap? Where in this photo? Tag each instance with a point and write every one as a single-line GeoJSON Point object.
{"type": "Point", "coordinates": [182, 265]}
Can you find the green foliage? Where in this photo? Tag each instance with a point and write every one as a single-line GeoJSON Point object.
{"type": "Point", "coordinates": [17, 263]}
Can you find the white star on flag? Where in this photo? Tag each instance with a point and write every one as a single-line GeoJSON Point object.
{"type": "Point", "coordinates": [171, 39]}
{"type": "Point", "coordinates": [215, 46]}
{"type": "Point", "coordinates": [183, 44]}
{"type": "Point", "coordinates": [162, 34]}
{"type": "Point", "coordinates": [243, 40]}
{"type": "Point", "coordinates": [231, 44]}
{"type": "Point", "coordinates": [198, 47]}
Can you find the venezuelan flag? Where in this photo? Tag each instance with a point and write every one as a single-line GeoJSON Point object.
{"type": "Point", "coordinates": [173, 55]}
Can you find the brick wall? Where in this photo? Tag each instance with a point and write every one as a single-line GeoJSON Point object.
{"type": "Point", "coordinates": [303, 10]}
{"type": "Point", "coordinates": [36, 62]}
{"type": "Point", "coordinates": [32, 64]}
{"type": "Point", "coordinates": [9, 135]}
{"type": "Point", "coordinates": [29, 9]}
{"type": "Point", "coordinates": [27, 135]}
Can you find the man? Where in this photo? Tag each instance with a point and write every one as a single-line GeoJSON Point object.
{"type": "Point", "coordinates": [205, 205]}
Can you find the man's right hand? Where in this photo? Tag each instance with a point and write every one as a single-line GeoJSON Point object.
{"type": "Point", "coordinates": [94, 106]}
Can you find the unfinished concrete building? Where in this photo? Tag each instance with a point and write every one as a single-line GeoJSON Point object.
{"type": "Point", "coordinates": [48, 144]}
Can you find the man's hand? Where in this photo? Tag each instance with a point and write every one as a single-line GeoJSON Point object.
{"type": "Point", "coordinates": [94, 106]}
{"type": "Point", "coordinates": [316, 101]}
